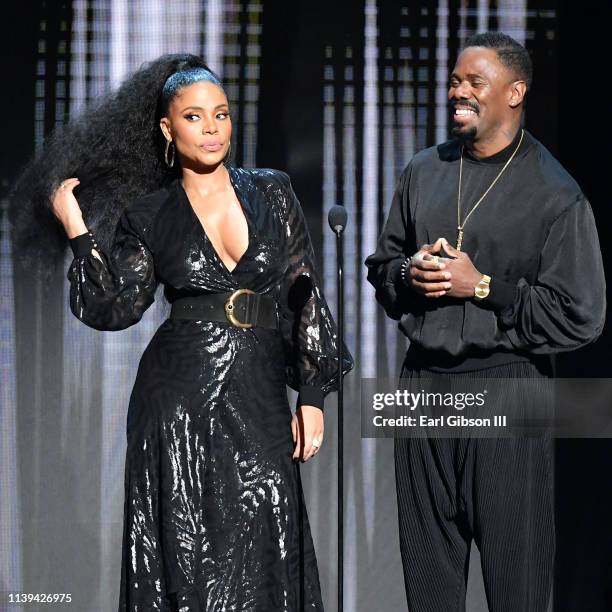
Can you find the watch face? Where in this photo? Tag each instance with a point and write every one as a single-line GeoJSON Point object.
{"type": "Point", "coordinates": [482, 292]}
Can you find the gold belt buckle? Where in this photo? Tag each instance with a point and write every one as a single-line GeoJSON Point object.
{"type": "Point", "coordinates": [229, 308]}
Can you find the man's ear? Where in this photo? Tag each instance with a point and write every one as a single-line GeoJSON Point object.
{"type": "Point", "coordinates": [518, 89]}
{"type": "Point", "coordinates": [164, 124]}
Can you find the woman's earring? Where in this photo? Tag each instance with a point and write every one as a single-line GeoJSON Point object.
{"type": "Point", "coordinates": [169, 163]}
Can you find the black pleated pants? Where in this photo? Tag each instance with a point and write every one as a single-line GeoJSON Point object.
{"type": "Point", "coordinates": [497, 491]}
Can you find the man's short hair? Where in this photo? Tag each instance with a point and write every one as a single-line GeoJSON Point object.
{"type": "Point", "coordinates": [510, 52]}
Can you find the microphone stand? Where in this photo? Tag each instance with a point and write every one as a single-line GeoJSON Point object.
{"type": "Point", "coordinates": [340, 256]}
{"type": "Point", "coordinates": [337, 221]}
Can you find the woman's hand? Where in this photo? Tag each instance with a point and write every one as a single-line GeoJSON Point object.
{"type": "Point", "coordinates": [66, 208]}
{"type": "Point", "coordinates": [307, 426]}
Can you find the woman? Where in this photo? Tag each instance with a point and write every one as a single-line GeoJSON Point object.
{"type": "Point", "coordinates": [214, 517]}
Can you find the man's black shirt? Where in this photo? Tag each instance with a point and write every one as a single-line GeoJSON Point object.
{"type": "Point", "coordinates": [534, 234]}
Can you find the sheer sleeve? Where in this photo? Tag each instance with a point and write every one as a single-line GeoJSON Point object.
{"type": "Point", "coordinates": [566, 306]}
{"type": "Point", "coordinates": [309, 330]}
{"type": "Point", "coordinates": [396, 242]}
{"type": "Point", "coordinates": [111, 291]}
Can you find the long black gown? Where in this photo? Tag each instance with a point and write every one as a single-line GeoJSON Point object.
{"type": "Point", "coordinates": [214, 518]}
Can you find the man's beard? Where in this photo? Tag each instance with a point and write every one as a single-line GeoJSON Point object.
{"type": "Point", "coordinates": [465, 136]}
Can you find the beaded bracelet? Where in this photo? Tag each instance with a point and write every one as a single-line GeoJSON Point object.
{"type": "Point", "coordinates": [404, 271]}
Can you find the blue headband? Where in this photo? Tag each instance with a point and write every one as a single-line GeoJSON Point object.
{"type": "Point", "coordinates": [182, 78]}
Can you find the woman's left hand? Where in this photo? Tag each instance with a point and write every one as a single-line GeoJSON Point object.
{"type": "Point", "coordinates": [307, 427]}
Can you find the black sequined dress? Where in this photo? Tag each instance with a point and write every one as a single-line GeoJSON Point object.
{"type": "Point", "coordinates": [214, 517]}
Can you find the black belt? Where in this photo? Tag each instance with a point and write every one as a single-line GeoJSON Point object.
{"type": "Point", "coordinates": [242, 308]}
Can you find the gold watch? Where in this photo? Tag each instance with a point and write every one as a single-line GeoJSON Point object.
{"type": "Point", "coordinates": [481, 290]}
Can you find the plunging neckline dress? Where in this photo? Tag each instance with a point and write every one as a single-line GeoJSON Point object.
{"type": "Point", "coordinates": [181, 187]}
{"type": "Point", "coordinates": [214, 515]}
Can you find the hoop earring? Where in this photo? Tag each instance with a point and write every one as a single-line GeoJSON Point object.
{"type": "Point", "coordinates": [170, 163]}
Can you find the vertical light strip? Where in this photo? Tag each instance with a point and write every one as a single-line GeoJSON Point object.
{"type": "Point", "coordinates": [390, 174]}
{"type": "Point", "coordinates": [148, 25]}
{"type": "Point", "coordinates": [36, 360]}
{"type": "Point", "coordinates": [483, 16]}
{"type": "Point", "coordinates": [251, 87]}
{"type": "Point", "coordinates": [181, 30]}
{"type": "Point", "coordinates": [231, 65]}
{"type": "Point", "coordinates": [118, 41]}
{"type": "Point", "coordinates": [124, 40]}
{"type": "Point", "coordinates": [351, 288]}
{"type": "Point", "coordinates": [10, 510]}
{"type": "Point", "coordinates": [231, 69]}
{"type": "Point", "coordinates": [352, 542]}
{"type": "Point", "coordinates": [463, 10]}
{"type": "Point", "coordinates": [512, 18]}
{"type": "Point", "coordinates": [350, 202]}
{"type": "Point", "coordinates": [246, 71]}
{"type": "Point", "coordinates": [369, 235]}
{"type": "Point", "coordinates": [330, 289]}
{"type": "Point", "coordinates": [407, 102]}
{"type": "Point", "coordinates": [369, 211]}
{"type": "Point", "coordinates": [78, 49]}
{"type": "Point", "coordinates": [98, 66]}
{"type": "Point", "coordinates": [442, 72]}
{"type": "Point", "coordinates": [330, 284]}
{"type": "Point", "coordinates": [404, 149]}
{"type": "Point", "coordinates": [213, 42]}
{"type": "Point", "coordinates": [78, 97]}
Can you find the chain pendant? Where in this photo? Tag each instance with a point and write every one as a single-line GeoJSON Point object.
{"type": "Point", "coordinates": [459, 238]}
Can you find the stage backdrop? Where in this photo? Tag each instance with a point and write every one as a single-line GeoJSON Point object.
{"type": "Point", "coordinates": [340, 95]}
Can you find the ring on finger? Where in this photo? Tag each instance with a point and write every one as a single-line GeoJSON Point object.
{"type": "Point", "coordinates": [435, 258]}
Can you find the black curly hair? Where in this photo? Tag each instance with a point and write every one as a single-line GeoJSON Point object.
{"type": "Point", "coordinates": [116, 149]}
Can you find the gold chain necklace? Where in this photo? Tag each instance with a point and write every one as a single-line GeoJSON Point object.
{"type": "Point", "coordinates": [460, 225]}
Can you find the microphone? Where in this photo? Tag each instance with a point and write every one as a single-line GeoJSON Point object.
{"type": "Point", "coordinates": [337, 218]}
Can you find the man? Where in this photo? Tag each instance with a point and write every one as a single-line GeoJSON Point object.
{"type": "Point", "coordinates": [510, 272]}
